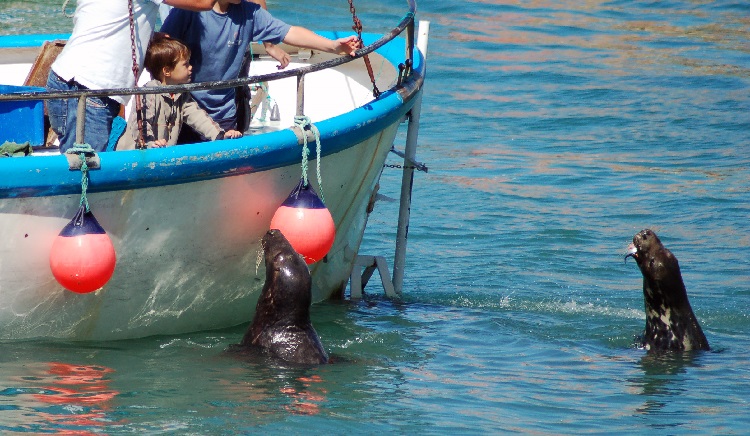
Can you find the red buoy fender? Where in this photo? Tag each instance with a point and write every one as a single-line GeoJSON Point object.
{"type": "Point", "coordinates": [82, 257]}
{"type": "Point", "coordinates": [306, 223]}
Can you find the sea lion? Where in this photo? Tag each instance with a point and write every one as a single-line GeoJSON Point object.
{"type": "Point", "coordinates": [281, 325]}
{"type": "Point", "coordinates": [670, 322]}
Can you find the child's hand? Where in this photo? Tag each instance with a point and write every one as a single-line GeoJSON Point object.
{"type": "Point", "coordinates": [159, 143]}
{"type": "Point", "coordinates": [232, 134]}
{"type": "Point", "coordinates": [277, 53]}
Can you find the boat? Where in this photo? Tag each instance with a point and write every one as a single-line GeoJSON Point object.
{"type": "Point", "coordinates": [186, 221]}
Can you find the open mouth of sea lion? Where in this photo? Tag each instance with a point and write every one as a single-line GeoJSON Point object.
{"type": "Point", "coordinates": [632, 252]}
{"type": "Point", "coordinates": [642, 243]}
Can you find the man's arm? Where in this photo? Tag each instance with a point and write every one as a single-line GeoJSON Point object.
{"type": "Point", "coordinates": [191, 5]}
{"type": "Point", "coordinates": [305, 38]}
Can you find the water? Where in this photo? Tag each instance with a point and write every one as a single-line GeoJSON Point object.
{"type": "Point", "coordinates": [553, 132]}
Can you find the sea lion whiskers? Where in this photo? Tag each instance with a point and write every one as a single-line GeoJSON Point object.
{"type": "Point", "coordinates": [259, 257]}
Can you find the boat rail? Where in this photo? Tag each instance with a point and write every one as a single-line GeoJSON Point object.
{"type": "Point", "coordinates": [406, 24]}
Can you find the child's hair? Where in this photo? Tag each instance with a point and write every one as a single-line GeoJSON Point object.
{"type": "Point", "coordinates": [164, 51]}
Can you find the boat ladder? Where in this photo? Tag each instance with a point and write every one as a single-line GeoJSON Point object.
{"type": "Point", "coordinates": [393, 286]}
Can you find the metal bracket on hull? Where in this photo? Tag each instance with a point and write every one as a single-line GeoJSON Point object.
{"type": "Point", "coordinates": [309, 133]}
{"type": "Point", "coordinates": [370, 263]}
{"type": "Point", "coordinates": [75, 163]}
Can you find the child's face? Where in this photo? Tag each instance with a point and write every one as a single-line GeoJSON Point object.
{"type": "Point", "coordinates": [180, 74]}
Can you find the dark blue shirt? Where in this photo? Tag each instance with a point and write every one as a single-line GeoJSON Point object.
{"type": "Point", "coordinates": [218, 43]}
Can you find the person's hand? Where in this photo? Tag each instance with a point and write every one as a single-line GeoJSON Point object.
{"type": "Point", "coordinates": [231, 134]}
{"type": "Point", "coordinates": [348, 45]}
{"type": "Point", "coordinates": [277, 53]}
{"type": "Point", "coordinates": [159, 143]}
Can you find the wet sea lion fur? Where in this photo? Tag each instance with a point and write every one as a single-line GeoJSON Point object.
{"type": "Point", "coordinates": [670, 322]}
{"type": "Point", "coordinates": [282, 325]}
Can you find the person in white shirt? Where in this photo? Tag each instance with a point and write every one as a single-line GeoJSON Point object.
{"type": "Point", "coordinates": [98, 56]}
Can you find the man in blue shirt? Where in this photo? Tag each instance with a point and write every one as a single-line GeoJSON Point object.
{"type": "Point", "coordinates": [219, 38]}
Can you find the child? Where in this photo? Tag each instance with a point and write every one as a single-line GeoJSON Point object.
{"type": "Point", "coordinates": [220, 37]}
{"type": "Point", "coordinates": [167, 59]}
{"type": "Point", "coordinates": [97, 56]}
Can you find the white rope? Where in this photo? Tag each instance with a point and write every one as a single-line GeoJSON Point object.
{"type": "Point", "coordinates": [64, 7]}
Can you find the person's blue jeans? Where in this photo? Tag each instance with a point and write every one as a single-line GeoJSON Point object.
{"type": "Point", "coordinates": [100, 111]}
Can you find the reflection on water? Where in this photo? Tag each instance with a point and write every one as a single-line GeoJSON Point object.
{"type": "Point", "coordinates": [571, 31]}
{"type": "Point", "coordinates": [306, 399]}
{"type": "Point", "coordinates": [662, 379]}
{"type": "Point", "coordinates": [59, 397]}
{"type": "Point", "coordinates": [76, 384]}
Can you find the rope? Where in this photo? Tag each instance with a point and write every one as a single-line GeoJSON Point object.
{"type": "Point", "coordinates": [303, 123]}
{"type": "Point", "coordinates": [82, 150]}
{"type": "Point", "coordinates": [139, 107]}
{"type": "Point", "coordinates": [64, 7]}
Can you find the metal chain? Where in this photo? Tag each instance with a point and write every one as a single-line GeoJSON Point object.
{"type": "Point", "coordinates": [140, 143]}
{"type": "Point", "coordinates": [358, 28]}
{"type": "Point", "coordinates": [419, 166]}
{"type": "Point", "coordinates": [400, 167]}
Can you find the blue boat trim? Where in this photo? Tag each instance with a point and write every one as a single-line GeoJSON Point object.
{"type": "Point", "coordinates": [24, 41]}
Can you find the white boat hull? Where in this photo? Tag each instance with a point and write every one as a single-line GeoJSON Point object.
{"type": "Point", "coordinates": [186, 254]}
{"type": "Point", "coordinates": [186, 221]}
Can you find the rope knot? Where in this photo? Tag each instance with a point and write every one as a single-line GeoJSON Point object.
{"type": "Point", "coordinates": [82, 150]}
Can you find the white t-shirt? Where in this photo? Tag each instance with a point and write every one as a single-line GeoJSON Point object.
{"type": "Point", "coordinates": [98, 54]}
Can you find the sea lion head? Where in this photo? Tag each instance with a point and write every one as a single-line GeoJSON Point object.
{"type": "Point", "coordinates": [652, 257]}
{"type": "Point", "coordinates": [287, 292]}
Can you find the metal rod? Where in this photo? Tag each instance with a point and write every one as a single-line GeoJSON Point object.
{"type": "Point", "coordinates": [410, 41]}
{"type": "Point", "coordinates": [407, 178]}
{"type": "Point", "coordinates": [81, 120]}
{"type": "Point", "coordinates": [300, 95]}
{"type": "Point", "coordinates": [199, 86]}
